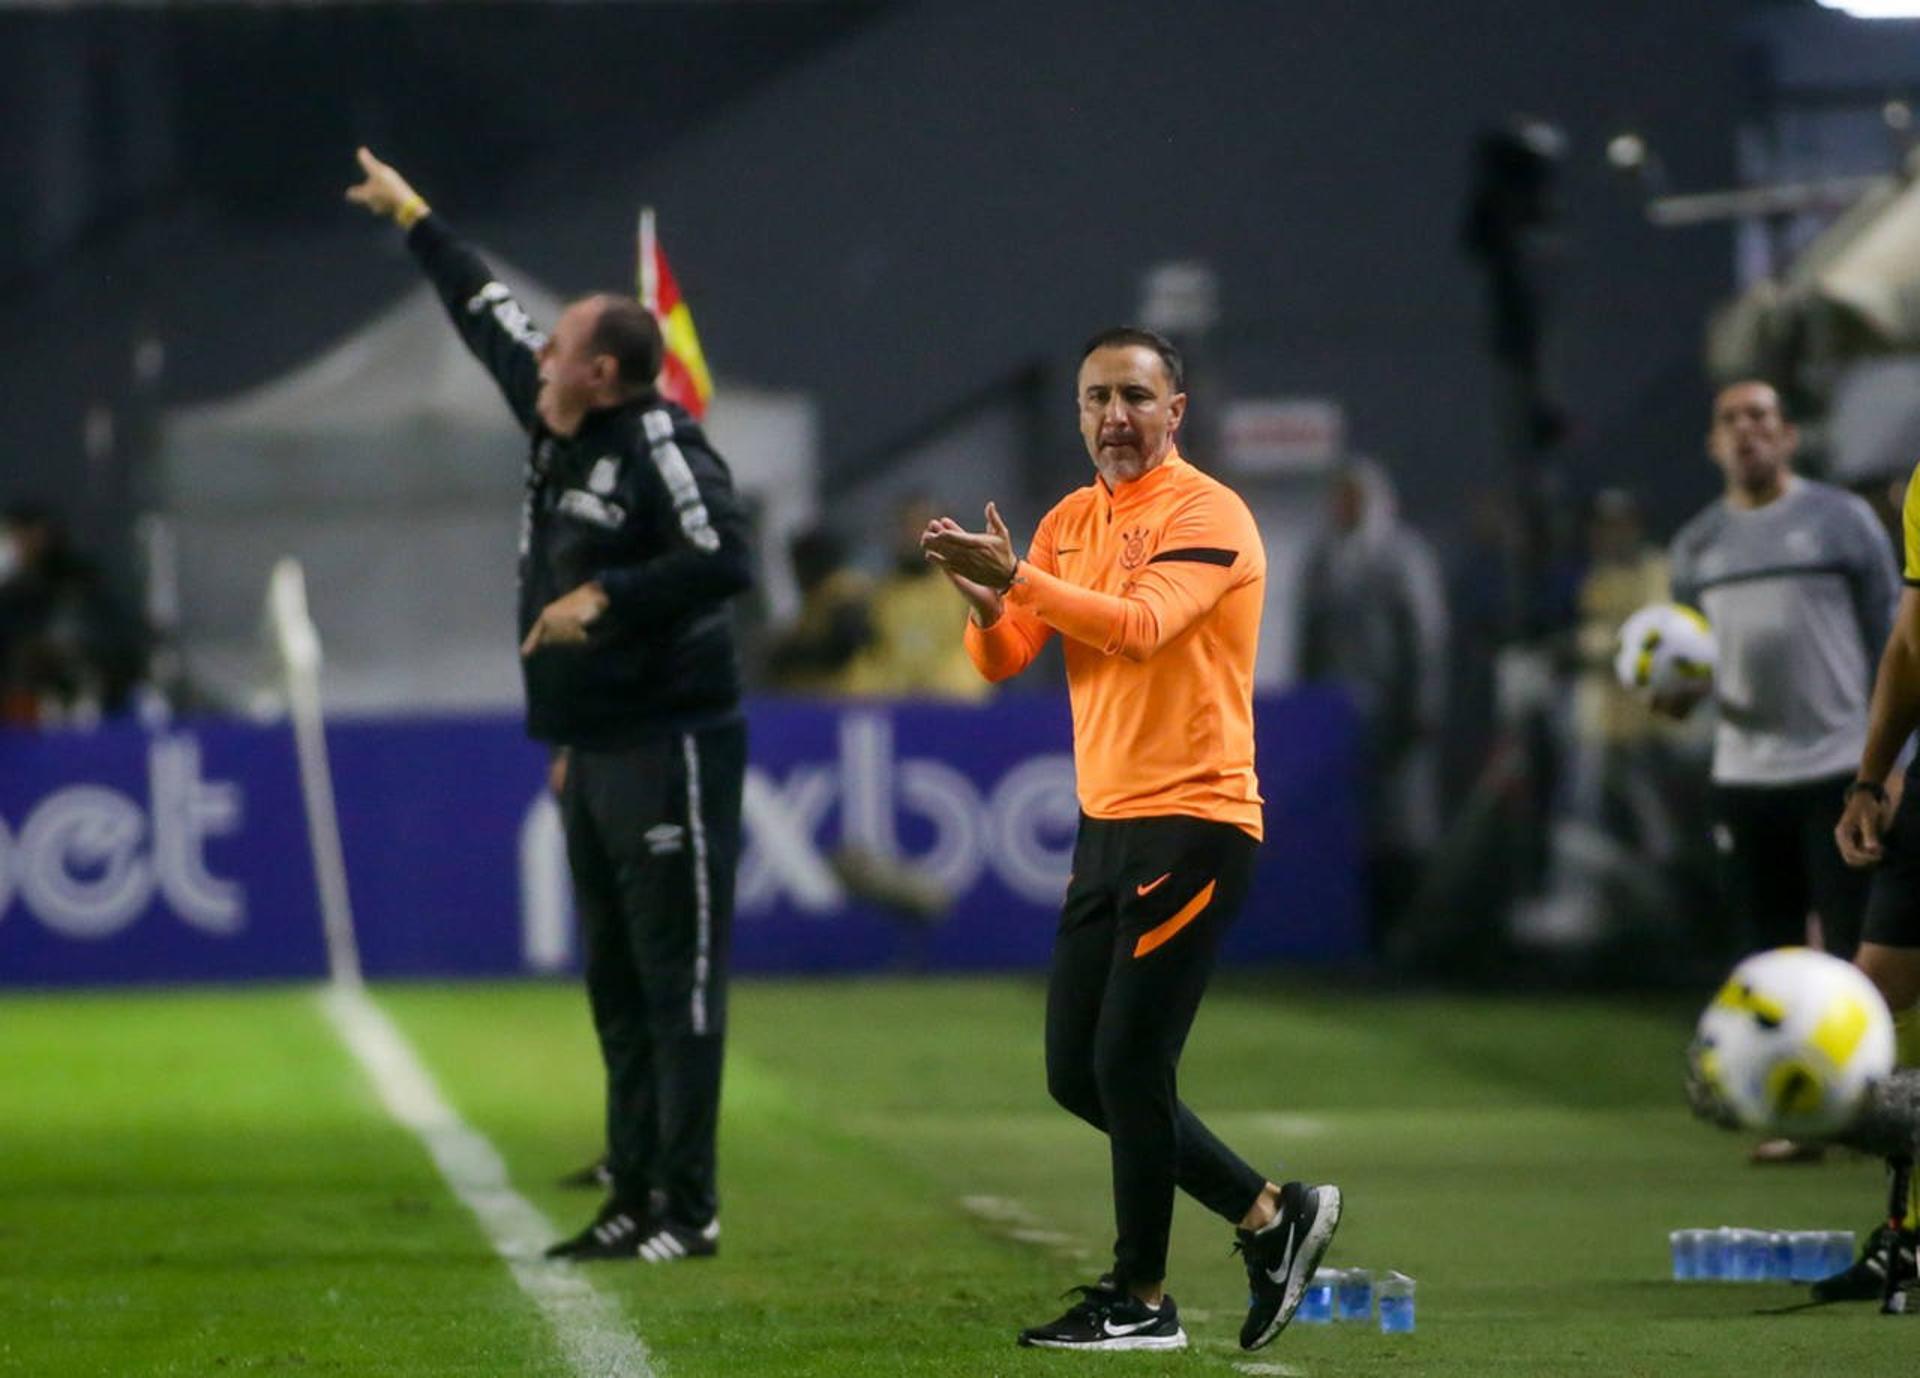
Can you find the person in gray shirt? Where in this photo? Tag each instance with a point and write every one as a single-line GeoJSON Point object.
{"type": "Point", "coordinates": [1799, 582]}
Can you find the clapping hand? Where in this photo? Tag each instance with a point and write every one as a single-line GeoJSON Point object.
{"type": "Point", "coordinates": [980, 564]}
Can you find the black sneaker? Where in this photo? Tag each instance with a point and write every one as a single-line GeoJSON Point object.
{"type": "Point", "coordinates": [1866, 1280]}
{"type": "Point", "coordinates": [1282, 1256]}
{"type": "Point", "coordinates": [670, 1243]}
{"type": "Point", "coordinates": [616, 1232]}
{"type": "Point", "coordinates": [1107, 1318]}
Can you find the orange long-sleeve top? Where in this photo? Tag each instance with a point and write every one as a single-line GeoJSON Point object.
{"type": "Point", "coordinates": [1156, 590]}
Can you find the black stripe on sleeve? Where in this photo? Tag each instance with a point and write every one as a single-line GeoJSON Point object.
{"type": "Point", "coordinates": [1198, 555]}
{"type": "Point", "coordinates": [1748, 576]}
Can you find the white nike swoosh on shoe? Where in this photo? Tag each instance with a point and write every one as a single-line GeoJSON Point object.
{"type": "Point", "coordinates": [1326, 1219]}
{"type": "Point", "coordinates": [1279, 1273]}
{"type": "Point", "coordinates": [1129, 1329]}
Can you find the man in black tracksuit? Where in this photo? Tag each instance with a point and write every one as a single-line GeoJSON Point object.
{"type": "Point", "coordinates": [632, 544]}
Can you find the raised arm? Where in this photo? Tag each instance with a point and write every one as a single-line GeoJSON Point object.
{"type": "Point", "coordinates": [495, 326]}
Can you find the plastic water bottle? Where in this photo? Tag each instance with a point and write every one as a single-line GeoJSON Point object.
{"type": "Point", "coordinates": [1752, 1254]}
{"type": "Point", "coordinates": [1808, 1249]}
{"type": "Point", "coordinates": [1316, 1306]}
{"type": "Point", "coordinates": [1689, 1249]}
{"type": "Point", "coordinates": [1353, 1297]}
{"type": "Point", "coordinates": [1839, 1251]}
{"type": "Point", "coordinates": [1396, 1304]}
{"type": "Point", "coordinates": [1717, 1257]}
{"type": "Point", "coordinates": [1728, 1254]}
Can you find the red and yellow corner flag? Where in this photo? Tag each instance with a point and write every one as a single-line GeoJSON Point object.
{"type": "Point", "coordinates": [683, 368]}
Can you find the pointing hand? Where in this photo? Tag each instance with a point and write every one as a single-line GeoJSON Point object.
{"type": "Point", "coordinates": [384, 191]}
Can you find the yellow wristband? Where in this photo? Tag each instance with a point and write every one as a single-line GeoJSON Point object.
{"type": "Point", "coordinates": [410, 211]}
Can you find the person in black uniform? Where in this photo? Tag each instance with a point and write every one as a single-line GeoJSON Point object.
{"type": "Point", "coordinates": [632, 544]}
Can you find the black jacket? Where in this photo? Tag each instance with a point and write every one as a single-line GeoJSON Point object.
{"type": "Point", "coordinates": [635, 499]}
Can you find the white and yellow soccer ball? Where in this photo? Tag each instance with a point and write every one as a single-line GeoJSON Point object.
{"type": "Point", "coordinates": [1666, 649]}
{"type": "Point", "coordinates": [1793, 1042]}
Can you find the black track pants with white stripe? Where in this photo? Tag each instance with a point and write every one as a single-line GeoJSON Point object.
{"type": "Point", "coordinates": [653, 837]}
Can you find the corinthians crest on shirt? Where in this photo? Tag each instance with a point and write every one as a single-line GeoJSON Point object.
{"type": "Point", "coordinates": [1133, 547]}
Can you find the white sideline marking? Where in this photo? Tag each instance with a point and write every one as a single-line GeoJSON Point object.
{"type": "Point", "coordinates": [596, 1338]}
{"type": "Point", "coordinates": [1276, 1370]}
{"type": "Point", "coordinates": [1011, 1219]}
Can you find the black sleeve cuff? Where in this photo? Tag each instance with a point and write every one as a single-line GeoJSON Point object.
{"type": "Point", "coordinates": [428, 233]}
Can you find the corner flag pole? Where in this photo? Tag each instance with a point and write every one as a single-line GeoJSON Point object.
{"type": "Point", "coordinates": [647, 273]}
{"type": "Point", "coordinates": [299, 645]}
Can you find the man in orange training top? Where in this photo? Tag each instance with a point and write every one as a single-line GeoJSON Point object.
{"type": "Point", "coordinates": [1153, 575]}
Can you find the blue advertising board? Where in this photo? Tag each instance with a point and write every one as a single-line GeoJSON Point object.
{"type": "Point", "coordinates": [183, 854]}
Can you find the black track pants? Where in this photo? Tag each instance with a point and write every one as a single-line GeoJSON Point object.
{"type": "Point", "coordinates": [653, 837]}
{"type": "Point", "coordinates": [1144, 913]}
{"type": "Point", "coordinates": [1778, 860]}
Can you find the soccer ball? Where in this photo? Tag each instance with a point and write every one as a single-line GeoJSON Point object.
{"type": "Point", "coordinates": [1666, 649]}
{"type": "Point", "coordinates": [1793, 1041]}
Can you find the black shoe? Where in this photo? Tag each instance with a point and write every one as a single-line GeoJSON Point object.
{"type": "Point", "coordinates": [616, 1232]}
{"type": "Point", "coordinates": [596, 1175]}
{"type": "Point", "coordinates": [1107, 1318]}
{"type": "Point", "coordinates": [1866, 1280]}
{"type": "Point", "coordinates": [670, 1243]}
{"type": "Point", "coordinates": [1282, 1256]}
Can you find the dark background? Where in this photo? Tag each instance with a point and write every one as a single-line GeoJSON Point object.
{"type": "Point", "coordinates": [889, 205]}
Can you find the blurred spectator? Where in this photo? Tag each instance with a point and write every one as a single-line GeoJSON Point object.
{"type": "Point", "coordinates": [917, 650]}
{"type": "Point", "coordinates": [68, 651]}
{"type": "Point", "coordinates": [1617, 739]}
{"type": "Point", "coordinates": [819, 653]}
{"type": "Point", "coordinates": [1373, 619]}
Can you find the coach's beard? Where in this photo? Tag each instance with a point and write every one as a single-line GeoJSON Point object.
{"type": "Point", "coordinates": [1120, 461]}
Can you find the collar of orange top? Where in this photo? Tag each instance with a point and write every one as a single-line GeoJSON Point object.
{"type": "Point", "coordinates": [1144, 487]}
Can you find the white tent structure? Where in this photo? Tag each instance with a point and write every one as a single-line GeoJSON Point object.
{"type": "Point", "coordinates": [391, 468]}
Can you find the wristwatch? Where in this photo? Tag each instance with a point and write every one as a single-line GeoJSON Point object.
{"type": "Point", "coordinates": [1868, 787]}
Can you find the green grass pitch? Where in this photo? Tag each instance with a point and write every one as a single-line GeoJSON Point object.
{"type": "Point", "coordinates": [204, 1183]}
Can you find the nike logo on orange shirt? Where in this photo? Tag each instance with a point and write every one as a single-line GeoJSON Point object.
{"type": "Point", "coordinates": [1151, 885]}
{"type": "Point", "coordinates": [1068, 550]}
